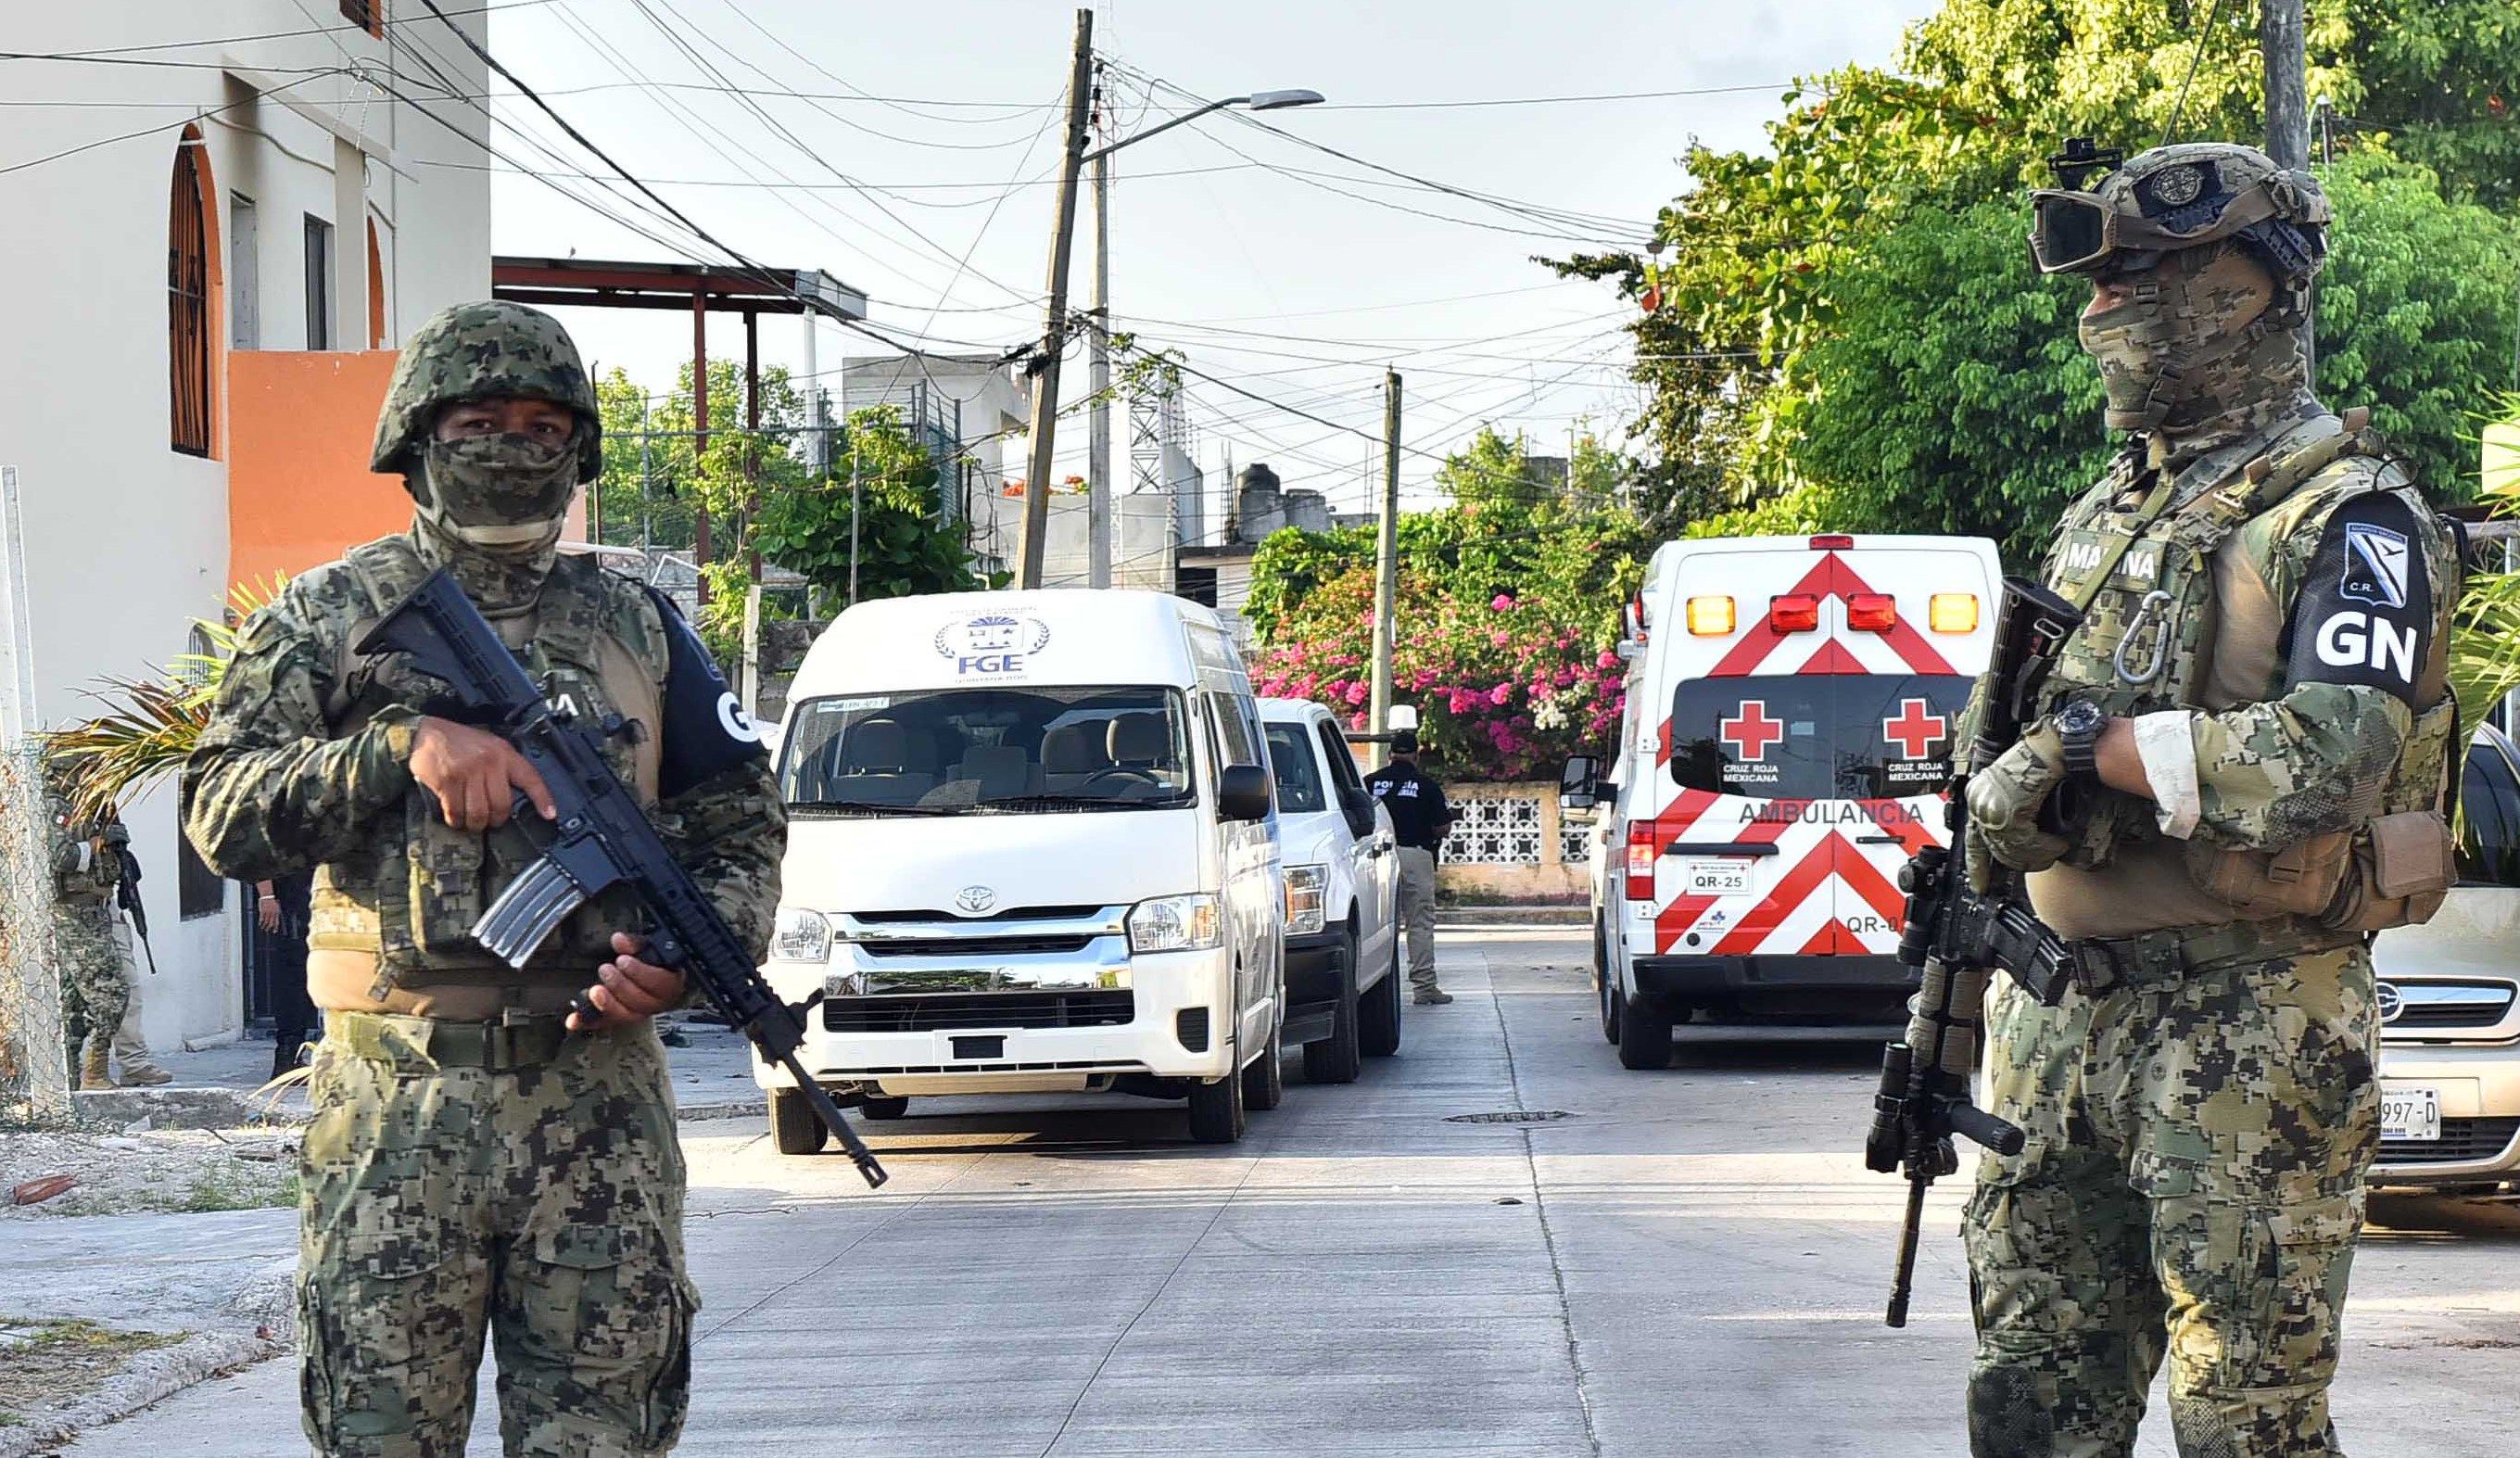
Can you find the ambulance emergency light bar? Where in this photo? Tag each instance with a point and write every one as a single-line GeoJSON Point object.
{"type": "Point", "coordinates": [1712, 615]}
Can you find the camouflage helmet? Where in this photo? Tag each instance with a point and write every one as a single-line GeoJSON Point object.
{"type": "Point", "coordinates": [473, 352]}
{"type": "Point", "coordinates": [2179, 197]}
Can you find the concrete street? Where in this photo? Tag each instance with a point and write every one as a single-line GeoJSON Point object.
{"type": "Point", "coordinates": [1690, 1262]}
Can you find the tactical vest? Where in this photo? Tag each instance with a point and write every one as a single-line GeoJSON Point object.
{"type": "Point", "coordinates": [93, 884]}
{"type": "Point", "coordinates": [2163, 633]}
{"type": "Point", "coordinates": [410, 896]}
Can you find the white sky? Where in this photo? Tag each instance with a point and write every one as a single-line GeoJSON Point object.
{"type": "Point", "coordinates": [1340, 285]}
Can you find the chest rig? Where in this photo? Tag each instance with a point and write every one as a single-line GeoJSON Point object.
{"type": "Point", "coordinates": [413, 891]}
{"type": "Point", "coordinates": [2140, 557]}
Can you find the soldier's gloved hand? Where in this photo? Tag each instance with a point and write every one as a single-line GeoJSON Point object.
{"type": "Point", "coordinates": [627, 989]}
{"type": "Point", "coordinates": [2005, 797]}
{"type": "Point", "coordinates": [473, 773]}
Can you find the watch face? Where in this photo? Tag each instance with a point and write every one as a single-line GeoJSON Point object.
{"type": "Point", "coordinates": [2079, 717]}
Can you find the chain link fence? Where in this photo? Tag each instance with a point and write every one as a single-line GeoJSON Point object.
{"type": "Point", "coordinates": [34, 1077]}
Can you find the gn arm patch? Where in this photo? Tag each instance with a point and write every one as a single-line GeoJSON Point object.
{"type": "Point", "coordinates": [706, 730]}
{"type": "Point", "coordinates": [2364, 616]}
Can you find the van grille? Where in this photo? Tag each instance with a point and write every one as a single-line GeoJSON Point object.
{"type": "Point", "coordinates": [974, 946]}
{"type": "Point", "coordinates": [1011, 914]}
{"type": "Point", "coordinates": [1096, 1009]}
{"type": "Point", "coordinates": [2463, 1141]}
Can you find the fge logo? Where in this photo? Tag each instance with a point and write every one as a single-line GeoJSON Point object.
{"type": "Point", "coordinates": [992, 641]}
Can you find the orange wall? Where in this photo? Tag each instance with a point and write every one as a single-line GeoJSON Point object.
{"type": "Point", "coordinates": [299, 428]}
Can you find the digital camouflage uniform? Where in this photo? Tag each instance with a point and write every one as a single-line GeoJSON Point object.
{"type": "Point", "coordinates": [2268, 598]}
{"type": "Point", "coordinates": [470, 1165]}
{"type": "Point", "coordinates": [96, 968]}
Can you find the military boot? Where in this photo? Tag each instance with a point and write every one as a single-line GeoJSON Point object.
{"type": "Point", "coordinates": [145, 1075]}
{"type": "Point", "coordinates": [93, 1076]}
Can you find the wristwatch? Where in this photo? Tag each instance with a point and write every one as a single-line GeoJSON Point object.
{"type": "Point", "coordinates": [2077, 726]}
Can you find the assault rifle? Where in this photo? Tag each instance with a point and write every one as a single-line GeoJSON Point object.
{"type": "Point", "coordinates": [126, 890]}
{"type": "Point", "coordinates": [1955, 935]}
{"type": "Point", "coordinates": [600, 839]}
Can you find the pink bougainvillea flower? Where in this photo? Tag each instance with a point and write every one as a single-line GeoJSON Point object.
{"type": "Point", "coordinates": [1358, 693]}
{"type": "Point", "coordinates": [1501, 694]}
{"type": "Point", "coordinates": [1502, 603]}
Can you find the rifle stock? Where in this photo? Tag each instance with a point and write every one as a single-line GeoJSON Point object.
{"type": "Point", "coordinates": [600, 839]}
{"type": "Point", "coordinates": [1954, 935]}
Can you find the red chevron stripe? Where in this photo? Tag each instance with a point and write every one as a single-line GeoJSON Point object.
{"type": "Point", "coordinates": [1676, 918]}
{"type": "Point", "coordinates": [1909, 645]}
{"type": "Point", "coordinates": [1831, 938]}
{"type": "Point", "coordinates": [1810, 873]}
{"type": "Point", "coordinates": [1865, 879]}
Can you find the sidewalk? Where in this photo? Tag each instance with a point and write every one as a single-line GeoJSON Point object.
{"type": "Point", "coordinates": [221, 1086]}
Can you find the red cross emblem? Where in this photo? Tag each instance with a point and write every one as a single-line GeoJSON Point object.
{"type": "Point", "coordinates": [1752, 732]}
{"type": "Point", "coordinates": [1915, 731]}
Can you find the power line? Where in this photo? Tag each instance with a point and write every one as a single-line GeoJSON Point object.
{"type": "Point", "coordinates": [165, 126]}
{"type": "Point", "coordinates": [233, 40]}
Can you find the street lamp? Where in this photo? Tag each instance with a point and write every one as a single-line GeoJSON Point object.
{"type": "Point", "coordinates": [1045, 412]}
{"type": "Point", "coordinates": [1097, 463]}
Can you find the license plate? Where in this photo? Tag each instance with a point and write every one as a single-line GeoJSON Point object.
{"type": "Point", "coordinates": [1707, 877]}
{"type": "Point", "coordinates": [2410, 1114]}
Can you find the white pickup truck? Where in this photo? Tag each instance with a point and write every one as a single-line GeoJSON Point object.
{"type": "Point", "coordinates": [1342, 896]}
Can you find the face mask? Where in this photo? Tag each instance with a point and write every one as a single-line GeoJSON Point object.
{"type": "Point", "coordinates": [502, 494]}
{"type": "Point", "coordinates": [2194, 344]}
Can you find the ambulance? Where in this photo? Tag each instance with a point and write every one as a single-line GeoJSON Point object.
{"type": "Point", "coordinates": [1791, 706]}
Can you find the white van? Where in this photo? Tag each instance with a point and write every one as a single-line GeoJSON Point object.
{"type": "Point", "coordinates": [1030, 850]}
{"type": "Point", "coordinates": [1791, 709]}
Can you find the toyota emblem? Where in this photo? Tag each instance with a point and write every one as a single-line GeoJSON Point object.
{"type": "Point", "coordinates": [972, 900]}
{"type": "Point", "coordinates": [2392, 1002]}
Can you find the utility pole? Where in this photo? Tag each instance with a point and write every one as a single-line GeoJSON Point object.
{"type": "Point", "coordinates": [1045, 385]}
{"type": "Point", "coordinates": [1387, 569]}
{"type": "Point", "coordinates": [1097, 343]}
{"type": "Point", "coordinates": [2287, 84]}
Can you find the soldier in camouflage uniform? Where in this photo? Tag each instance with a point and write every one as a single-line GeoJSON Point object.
{"type": "Point", "coordinates": [96, 970]}
{"type": "Point", "coordinates": [2239, 778]}
{"type": "Point", "coordinates": [479, 1159]}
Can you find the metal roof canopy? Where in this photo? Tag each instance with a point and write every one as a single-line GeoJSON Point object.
{"type": "Point", "coordinates": [703, 289]}
{"type": "Point", "coordinates": [594, 283]}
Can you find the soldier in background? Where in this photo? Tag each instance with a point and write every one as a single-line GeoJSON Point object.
{"type": "Point", "coordinates": [2239, 778]}
{"type": "Point", "coordinates": [87, 861]}
{"type": "Point", "coordinates": [481, 1160]}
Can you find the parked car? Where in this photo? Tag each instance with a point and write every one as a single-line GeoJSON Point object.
{"type": "Point", "coordinates": [1342, 896]}
{"type": "Point", "coordinates": [1030, 850]}
{"type": "Point", "coordinates": [2450, 1001]}
{"type": "Point", "coordinates": [1789, 731]}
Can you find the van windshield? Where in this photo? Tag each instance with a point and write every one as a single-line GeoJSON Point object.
{"type": "Point", "coordinates": [996, 751]}
{"type": "Point", "coordinates": [1816, 736]}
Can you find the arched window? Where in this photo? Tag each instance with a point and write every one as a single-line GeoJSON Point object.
{"type": "Point", "coordinates": [188, 301]}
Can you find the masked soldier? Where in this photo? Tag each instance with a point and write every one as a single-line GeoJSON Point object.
{"type": "Point", "coordinates": [480, 1157]}
{"type": "Point", "coordinates": [2239, 777]}
{"type": "Point", "coordinates": [96, 970]}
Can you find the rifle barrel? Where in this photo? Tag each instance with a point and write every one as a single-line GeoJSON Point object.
{"type": "Point", "coordinates": [1905, 1279]}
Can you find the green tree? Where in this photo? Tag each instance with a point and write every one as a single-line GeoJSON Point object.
{"type": "Point", "coordinates": [902, 545]}
{"type": "Point", "coordinates": [1753, 270]}
{"type": "Point", "coordinates": [1954, 397]}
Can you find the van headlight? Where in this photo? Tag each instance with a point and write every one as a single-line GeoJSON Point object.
{"type": "Point", "coordinates": [800, 935]}
{"type": "Point", "coordinates": [1307, 889]}
{"type": "Point", "coordinates": [1175, 924]}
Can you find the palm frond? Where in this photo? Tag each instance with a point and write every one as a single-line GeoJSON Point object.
{"type": "Point", "coordinates": [150, 726]}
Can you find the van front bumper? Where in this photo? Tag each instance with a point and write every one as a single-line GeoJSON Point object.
{"type": "Point", "coordinates": [1166, 1015]}
{"type": "Point", "coordinates": [1774, 984]}
{"type": "Point", "coordinates": [2479, 1088]}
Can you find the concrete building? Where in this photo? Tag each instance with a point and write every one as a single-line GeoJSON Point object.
{"type": "Point", "coordinates": [210, 260]}
{"type": "Point", "coordinates": [983, 402]}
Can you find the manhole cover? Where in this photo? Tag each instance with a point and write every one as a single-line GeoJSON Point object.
{"type": "Point", "coordinates": [1510, 1116]}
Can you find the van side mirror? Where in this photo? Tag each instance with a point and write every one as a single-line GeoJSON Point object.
{"type": "Point", "coordinates": [1242, 793]}
{"type": "Point", "coordinates": [1577, 787]}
